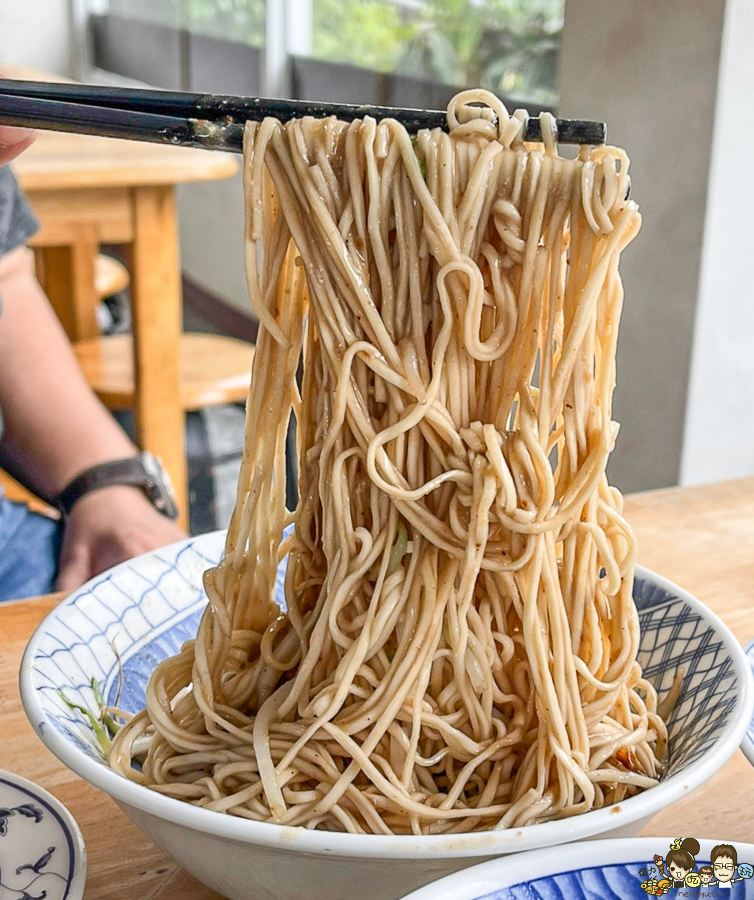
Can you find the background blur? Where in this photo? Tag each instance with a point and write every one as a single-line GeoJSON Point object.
{"type": "Point", "coordinates": [672, 79]}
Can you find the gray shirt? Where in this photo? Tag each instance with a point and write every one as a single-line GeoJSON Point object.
{"type": "Point", "coordinates": [17, 222]}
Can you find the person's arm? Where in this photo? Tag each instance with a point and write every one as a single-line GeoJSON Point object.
{"type": "Point", "coordinates": [54, 428]}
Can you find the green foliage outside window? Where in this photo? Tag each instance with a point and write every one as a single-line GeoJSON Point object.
{"type": "Point", "coordinates": [372, 34]}
{"type": "Point", "coordinates": [237, 20]}
{"type": "Point", "coordinates": [509, 46]}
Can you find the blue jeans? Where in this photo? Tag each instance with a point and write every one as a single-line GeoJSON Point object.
{"type": "Point", "coordinates": [29, 550]}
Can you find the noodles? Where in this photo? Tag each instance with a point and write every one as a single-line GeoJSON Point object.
{"type": "Point", "coordinates": [459, 646]}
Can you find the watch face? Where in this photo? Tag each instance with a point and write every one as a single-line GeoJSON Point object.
{"type": "Point", "coordinates": [160, 487]}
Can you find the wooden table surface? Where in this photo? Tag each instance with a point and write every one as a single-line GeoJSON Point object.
{"type": "Point", "coordinates": [57, 161]}
{"type": "Point", "coordinates": [87, 191]}
{"type": "Point", "coordinates": [701, 538]}
{"type": "Point", "coordinates": [62, 161]}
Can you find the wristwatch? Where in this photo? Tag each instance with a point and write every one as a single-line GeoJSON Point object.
{"type": "Point", "coordinates": [144, 471]}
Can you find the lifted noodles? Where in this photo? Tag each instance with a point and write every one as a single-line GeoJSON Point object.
{"type": "Point", "coordinates": [459, 647]}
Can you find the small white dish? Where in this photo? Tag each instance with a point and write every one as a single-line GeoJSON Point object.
{"type": "Point", "coordinates": [606, 869]}
{"type": "Point", "coordinates": [748, 742]}
{"type": "Point", "coordinates": [42, 852]}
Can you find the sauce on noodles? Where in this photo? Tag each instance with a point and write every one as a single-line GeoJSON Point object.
{"type": "Point", "coordinates": [459, 646]}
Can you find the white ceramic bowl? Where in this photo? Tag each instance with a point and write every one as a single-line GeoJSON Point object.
{"type": "Point", "coordinates": [41, 849]}
{"type": "Point", "coordinates": [748, 742]}
{"type": "Point", "coordinates": [605, 869]}
{"type": "Point", "coordinates": [146, 608]}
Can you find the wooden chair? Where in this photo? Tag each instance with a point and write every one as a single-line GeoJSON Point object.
{"type": "Point", "coordinates": [110, 276]}
{"type": "Point", "coordinates": [214, 369]}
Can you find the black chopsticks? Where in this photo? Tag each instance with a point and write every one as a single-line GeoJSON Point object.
{"type": "Point", "coordinates": [209, 121]}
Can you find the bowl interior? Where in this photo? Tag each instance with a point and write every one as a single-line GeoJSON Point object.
{"type": "Point", "coordinates": [747, 744]}
{"type": "Point", "coordinates": [116, 629]}
{"type": "Point", "coordinates": [106, 639]}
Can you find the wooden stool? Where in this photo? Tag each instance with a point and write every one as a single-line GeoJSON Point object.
{"type": "Point", "coordinates": [213, 369]}
{"type": "Point", "coordinates": [110, 276]}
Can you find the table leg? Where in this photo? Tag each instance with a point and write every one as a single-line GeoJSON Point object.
{"type": "Point", "coordinates": [157, 314]}
{"type": "Point", "coordinates": [68, 280]}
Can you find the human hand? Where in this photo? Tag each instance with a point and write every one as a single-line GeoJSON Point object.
{"type": "Point", "coordinates": [107, 527]}
{"type": "Point", "coordinates": [13, 141]}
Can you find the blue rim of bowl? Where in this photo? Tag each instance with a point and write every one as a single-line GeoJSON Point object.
{"type": "Point", "coordinates": [452, 846]}
{"type": "Point", "coordinates": [747, 744]}
{"type": "Point", "coordinates": [485, 880]}
{"type": "Point", "coordinates": [74, 888]}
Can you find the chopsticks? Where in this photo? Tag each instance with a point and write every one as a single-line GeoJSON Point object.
{"type": "Point", "coordinates": [209, 121]}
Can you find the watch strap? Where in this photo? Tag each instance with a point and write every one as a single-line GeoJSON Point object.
{"type": "Point", "coordinates": [130, 471]}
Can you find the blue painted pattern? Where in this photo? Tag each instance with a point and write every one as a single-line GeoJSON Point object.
{"type": "Point", "coordinates": [610, 882]}
{"type": "Point", "coordinates": [128, 689]}
{"type": "Point", "coordinates": [606, 883]}
{"type": "Point", "coordinates": [142, 612]}
{"type": "Point", "coordinates": [134, 606]}
{"type": "Point", "coordinates": [675, 638]}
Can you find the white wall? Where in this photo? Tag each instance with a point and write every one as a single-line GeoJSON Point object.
{"type": "Point", "coordinates": [36, 33]}
{"type": "Point", "coordinates": [212, 252]}
{"type": "Point", "coordinates": [719, 436]}
{"type": "Point", "coordinates": [649, 69]}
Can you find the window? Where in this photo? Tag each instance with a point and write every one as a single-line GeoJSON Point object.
{"type": "Point", "coordinates": [155, 12]}
{"type": "Point", "coordinates": [508, 46]}
{"type": "Point", "coordinates": [237, 20]}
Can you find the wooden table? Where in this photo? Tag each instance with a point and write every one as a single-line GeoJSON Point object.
{"type": "Point", "coordinates": [89, 190]}
{"type": "Point", "coordinates": [702, 538]}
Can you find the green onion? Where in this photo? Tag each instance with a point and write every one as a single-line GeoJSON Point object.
{"type": "Point", "coordinates": [107, 720]}
{"type": "Point", "coordinates": [399, 549]}
{"type": "Point", "coordinates": [102, 738]}
{"type": "Point", "coordinates": [104, 726]}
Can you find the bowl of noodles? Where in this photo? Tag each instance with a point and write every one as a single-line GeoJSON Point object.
{"type": "Point", "coordinates": [100, 646]}
{"type": "Point", "coordinates": [462, 659]}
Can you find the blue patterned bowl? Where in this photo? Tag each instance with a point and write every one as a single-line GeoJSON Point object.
{"type": "Point", "coordinates": [41, 849]}
{"type": "Point", "coordinates": [748, 742]}
{"type": "Point", "coordinates": [608, 870]}
{"type": "Point", "coordinates": [142, 611]}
